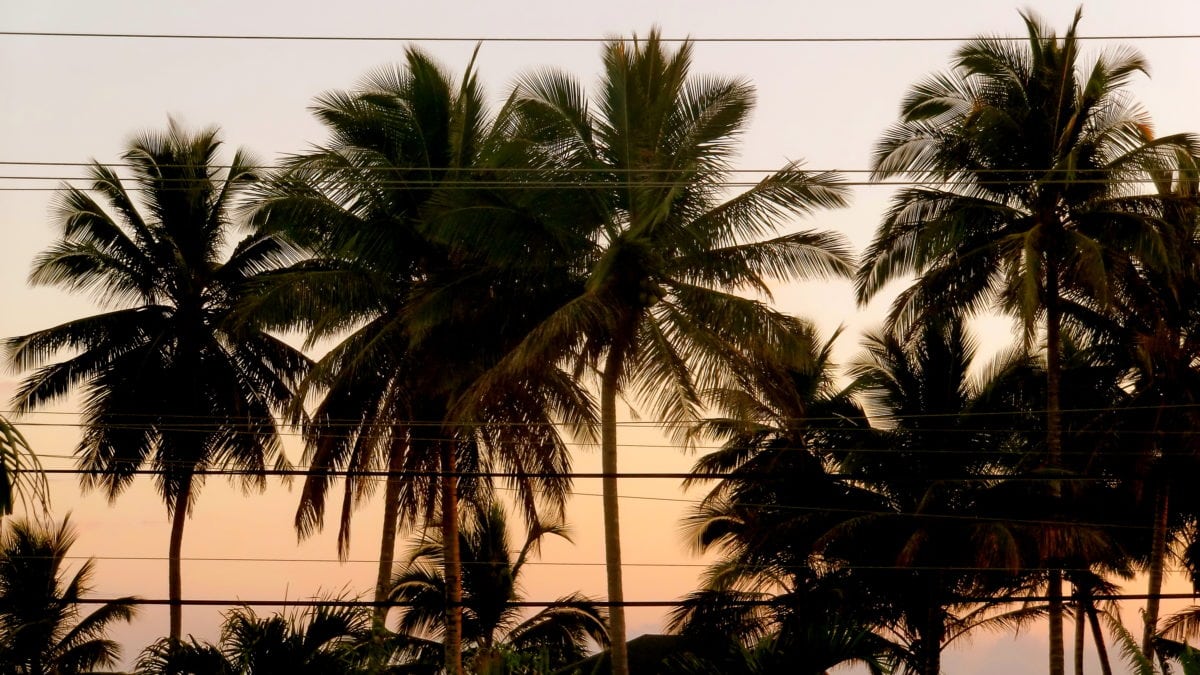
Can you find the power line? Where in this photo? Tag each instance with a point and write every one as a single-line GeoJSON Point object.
{"type": "Point", "coordinates": [847, 39]}
{"type": "Point", "coordinates": [642, 423]}
{"type": "Point", "coordinates": [210, 602]}
{"type": "Point", "coordinates": [469, 185]}
{"type": "Point", "coordinates": [540, 563]}
{"type": "Point", "coordinates": [822, 509]}
{"type": "Point", "coordinates": [628, 475]}
{"type": "Point", "coordinates": [513, 169]}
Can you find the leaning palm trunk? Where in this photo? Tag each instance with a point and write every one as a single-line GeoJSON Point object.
{"type": "Point", "coordinates": [1098, 638]}
{"type": "Point", "coordinates": [452, 562]}
{"type": "Point", "coordinates": [174, 562]}
{"type": "Point", "coordinates": [1158, 555]}
{"type": "Point", "coordinates": [387, 553]}
{"type": "Point", "coordinates": [612, 530]}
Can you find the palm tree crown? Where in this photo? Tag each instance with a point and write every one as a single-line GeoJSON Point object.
{"type": "Point", "coordinates": [42, 628]}
{"type": "Point", "coordinates": [493, 625]}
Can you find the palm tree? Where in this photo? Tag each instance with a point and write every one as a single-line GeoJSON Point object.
{"type": "Point", "coordinates": [183, 657]}
{"type": "Point", "coordinates": [169, 380]}
{"type": "Point", "coordinates": [324, 639]}
{"type": "Point", "coordinates": [782, 423]}
{"type": "Point", "coordinates": [815, 499]}
{"type": "Point", "coordinates": [1151, 329]}
{"type": "Point", "coordinates": [20, 471]}
{"type": "Point", "coordinates": [1179, 626]}
{"type": "Point", "coordinates": [42, 628]}
{"type": "Point", "coordinates": [493, 626]}
{"type": "Point", "coordinates": [401, 260]}
{"type": "Point", "coordinates": [648, 161]}
{"type": "Point", "coordinates": [1034, 159]}
{"type": "Point", "coordinates": [922, 552]}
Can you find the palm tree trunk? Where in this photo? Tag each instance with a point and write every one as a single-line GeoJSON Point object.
{"type": "Point", "coordinates": [1054, 586]}
{"type": "Point", "coordinates": [612, 530]}
{"type": "Point", "coordinates": [1098, 638]}
{"type": "Point", "coordinates": [1054, 454]}
{"type": "Point", "coordinates": [1158, 556]}
{"type": "Point", "coordinates": [452, 564]}
{"type": "Point", "coordinates": [387, 554]}
{"type": "Point", "coordinates": [931, 641]}
{"type": "Point", "coordinates": [174, 560]}
{"type": "Point", "coordinates": [1080, 621]}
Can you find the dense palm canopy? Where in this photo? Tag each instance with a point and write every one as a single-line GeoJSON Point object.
{"type": "Point", "coordinates": [1152, 330]}
{"type": "Point", "coordinates": [323, 640]}
{"type": "Point", "coordinates": [401, 260]}
{"type": "Point", "coordinates": [43, 628]}
{"type": "Point", "coordinates": [771, 598]}
{"type": "Point", "coordinates": [667, 252]}
{"type": "Point", "coordinates": [168, 380]}
{"type": "Point", "coordinates": [473, 274]}
{"type": "Point", "coordinates": [500, 638]}
{"type": "Point", "coordinates": [1037, 163]}
{"type": "Point", "coordinates": [1035, 159]}
{"type": "Point", "coordinates": [931, 549]}
{"type": "Point", "coordinates": [783, 425]}
{"type": "Point", "coordinates": [821, 509]}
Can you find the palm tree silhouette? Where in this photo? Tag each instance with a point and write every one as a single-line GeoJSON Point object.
{"type": "Point", "coordinates": [42, 628]}
{"type": "Point", "coordinates": [170, 380]}
{"type": "Point", "coordinates": [647, 158]}
{"type": "Point", "coordinates": [1035, 159]}
{"type": "Point", "coordinates": [493, 627]}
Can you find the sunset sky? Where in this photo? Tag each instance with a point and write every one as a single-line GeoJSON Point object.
{"type": "Point", "coordinates": [73, 99]}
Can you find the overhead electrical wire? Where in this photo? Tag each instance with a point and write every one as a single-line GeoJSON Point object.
{"type": "Point", "coordinates": [1041, 522]}
{"type": "Point", "coordinates": [316, 602]}
{"type": "Point", "coordinates": [505, 169]}
{"type": "Point", "coordinates": [543, 563]}
{"type": "Point", "coordinates": [465, 184]}
{"type": "Point", "coordinates": [623, 475]}
{"type": "Point", "coordinates": [740, 40]}
{"type": "Point", "coordinates": [654, 423]}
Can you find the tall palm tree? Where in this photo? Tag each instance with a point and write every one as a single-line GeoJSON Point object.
{"type": "Point", "coordinates": [20, 471]}
{"type": "Point", "coordinates": [493, 626]}
{"type": "Point", "coordinates": [42, 628]}
{"type": "Point", "coordinates": [1034, 159]}
{"type": "Point", "coordinates": [648, 160]}
{"type": "Point", "coordinates": [404, 248]}
{"type": "Point", "coordinates": [1153, 329]}
{"type": "Point", "coordinates": [170, 382]}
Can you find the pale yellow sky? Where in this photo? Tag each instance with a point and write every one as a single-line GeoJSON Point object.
{"type": "Point", "coordinates": [73, 99]}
